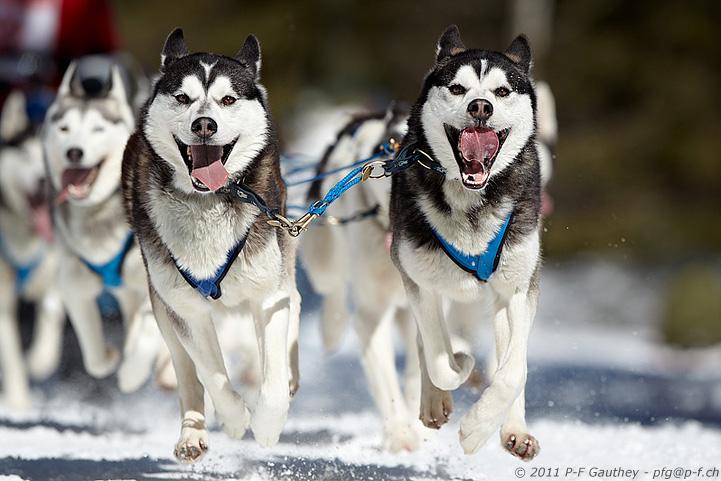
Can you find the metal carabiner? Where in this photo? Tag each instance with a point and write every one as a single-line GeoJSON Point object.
{"type": "Point", "coordinates": [368, 170]}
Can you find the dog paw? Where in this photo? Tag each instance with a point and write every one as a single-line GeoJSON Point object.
{"type": "Point", "coordinates": [104, 366]}
{"type": "Point", "coordinates": [403, 435]}
{"type": "Point", "coordinates": [41, 366]}
{"type": "Point", "coordinates": [268, 420]}
{"type": "Point", "coordinates": [473, 434]}
{"type": "Point", "coordinates": [436, 407]}
{"type": "Point", "coordinates": [192, 445]}
{"type": "Point", "coordinates": [236, 424]}
{"type": "Point", "coordinates": [524, 446]}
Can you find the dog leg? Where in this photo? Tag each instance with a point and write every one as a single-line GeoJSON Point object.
{"type": "Point", "coordinates": [45, 349]}
{"type": "Point", "coordinates": [373, 326]}
{"type": "Point", "coordinates": [325, 255]}
{"type": "Point", "coordinates": [412, 376]}
{"type": "Point", "coordinates": [12, 366]}
{"type": "Point", "coordinates": [436, 404]}
{"type": "Point", "coordinates": [200, 341]}
{"type": "Point", "coordinates": [142, 341]}
{"type": "Point", "coordinates": [293, 333]}
{"type": "Point", "coordinates": [447, 370]}
{"type": "Point", "coordinates": [514, 432]}
{"type": "Point", "coordinates": [99, 359]}
{"type": "Point", "coordinates": [193, 442]}
{"type": "Point", "coordinates": [271, 410]}
{"type": "Point", "coordinates": [512, 325]}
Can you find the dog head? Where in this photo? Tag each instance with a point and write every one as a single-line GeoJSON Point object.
{"type": "Point", "coordinates": [23, 184]}
{"type": "Point", "coordinates": [476, 110]}
{"type": "Point", "coordinates": [85, 132]}
{"type": "Point", "coordinates": [208, 115]}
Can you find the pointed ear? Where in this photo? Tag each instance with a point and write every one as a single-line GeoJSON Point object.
{"type": "Point", "coordinates": [249, 55]}
{"type": "Point", "coordinates": [65, 84]}
{"type": "Point", "coordinates": [449, 44]}
{"type": "Point", "coordinates": [117, 85]}
{"type": "Point", "coordinates": [14, 119]}
{"type": "Point", "coordinates": [520, 52]}
{"type": "Point", "coordinates": [174, 48]}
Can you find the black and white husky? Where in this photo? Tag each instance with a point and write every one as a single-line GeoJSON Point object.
{"type": "Point", "coordinates": [84, 137]}
{"type": "Point", "coordinates": [27, 256]}
{"type": "Point", "coordinates": [472, 230]}
{"type": "Point", "coordinates": [205, 127]}
{"type": "Point", "coordinates": [336, 254]}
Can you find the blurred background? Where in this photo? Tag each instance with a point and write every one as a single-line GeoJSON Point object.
{"type": "Point", "coordinates": [637, 180]}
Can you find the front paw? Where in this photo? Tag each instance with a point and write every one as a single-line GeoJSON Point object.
{"type": "Point", "coordinates": [268, 421]}
{"type": "Point", "coordinates": [104, 366]}
{"type": "Point", "coordinates": [436, 407]}
{"type": "Point", "coordinates": [192, 445]}
{"type": "Point", "coordinates": [522, 446]}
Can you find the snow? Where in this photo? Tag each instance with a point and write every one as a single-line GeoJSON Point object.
{"type": "Point", "coordinates": [602, 393]}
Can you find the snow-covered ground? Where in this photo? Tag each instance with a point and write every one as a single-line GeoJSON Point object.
{"type": "Point", "coordinates": [602, 394]}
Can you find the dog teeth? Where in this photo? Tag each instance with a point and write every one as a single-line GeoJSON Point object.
{"type": "Point", "coordinates": [189, 153]}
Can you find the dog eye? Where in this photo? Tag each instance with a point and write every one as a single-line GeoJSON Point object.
{"type": "Point", "coordinates": [457, 89]}
{"type": "Point", "coordinates": [182, 98]}
{"type": "Point", "coordinates": [228, 100]}
{"type": "Point", "coordinates": [99, 129]}
{"type": "Point", "coordinates": [502, 92]}
{"type": "Point", "coordinates": [64, 128]}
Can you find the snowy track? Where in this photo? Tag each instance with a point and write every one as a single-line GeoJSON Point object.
{"type": "Point", "coordinates": [601, 394]}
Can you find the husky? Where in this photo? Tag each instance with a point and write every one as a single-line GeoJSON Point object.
{"type": "Point", "coordinates": [27, 256]}
{"type": "Point", "coordinates": [357, 253]}
{"type": "Point", "coordinates": [206, 128]}
{"type": "Point", "coordinates": [84, 137]}
{"type": "Point", "coordinates": [469, 225]}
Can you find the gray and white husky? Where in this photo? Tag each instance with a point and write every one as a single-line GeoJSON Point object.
{"type": "Point", "coordinates": [206, 127]}
{"type": "Point", "coordinates": [476, 119]}
{"type": "Point", "coordinates": [353, 253]}
{"type": "Point", "coordinates": [27, 256]}
{"type": "Point", "coordinates": [84, 136]}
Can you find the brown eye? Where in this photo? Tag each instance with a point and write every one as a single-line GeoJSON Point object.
{"type": "Point", "coordinates": [228, 100]}
{"type": "Point", "coordinates": [502, 92]}
{"type": "Point", "coordinates": [64, 128]}
{"type": "Point", "coordinates": [457, 89]}
{"type": "Point", "coordinates": [182, 98]}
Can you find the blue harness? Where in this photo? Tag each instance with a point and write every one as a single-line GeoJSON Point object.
{"type": "Point", "coordinates": [110, 272]}
{"type": "Point", "coordinates": [211, 286]}
{"type": "Point", "coordinates": [484, 264]}
{"type": "Point", "coordinates": [23, 272]}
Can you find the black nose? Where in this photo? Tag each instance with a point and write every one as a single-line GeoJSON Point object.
{"type": "Point", "coordinates": [204, 127]}
{"type": "Point", "coordinates": [480, 109]}
{"type": "Point", "coordinates": [74, 155]}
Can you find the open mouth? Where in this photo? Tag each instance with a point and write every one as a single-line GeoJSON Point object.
{"type": "Point", "coordinates": [206, 164]}
{"type": "Point", "coordinates": [77, 183]}
{"type": "Point", "coordinates": [475, 149]}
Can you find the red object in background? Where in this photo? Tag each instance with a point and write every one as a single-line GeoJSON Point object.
{"type": "Point", "coordinates": [86, 27]}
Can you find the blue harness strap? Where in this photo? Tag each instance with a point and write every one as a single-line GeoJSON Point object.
{"type": "Point", "coordinates": [111, 272]}
{"type": "Point", "coordinates": [23, 272]}
{"type": "Point", "coordinates": [211, 286]}
{"type": "Point", "coordinates": [484, 264]}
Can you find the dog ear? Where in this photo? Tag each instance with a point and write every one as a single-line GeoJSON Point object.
{"type": "Point", "coordinates": [116, 89]}
{"type": "Point", "coordinates": [520, 52]}
{"type": "Point", "coordinates": [14, 118]}
{"type": "Point", "coordinates": [174, 48]}
{"type": "Point", "coordinates": [71, 85]}
{"type": "Point", "coordinates": [449, 44]}
{"type": "Point", "coordinates": [249, 55]}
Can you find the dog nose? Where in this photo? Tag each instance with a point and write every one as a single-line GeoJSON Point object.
{"type": "Point", "coordinates": [480, 109]}
{"type": "Point", "coordinates": [204, 127]}
{"type": "Point", "coordinates": [74, 155]}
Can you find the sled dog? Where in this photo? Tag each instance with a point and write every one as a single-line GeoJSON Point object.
{"type": "Point", "coordinates": [84, 136]}
{"type": "Point", "coordinates": [206, 127]}
{"type": "Point", "coordinates": [27, 257]}
{"type": "Point", "coordinates": [469, 225]}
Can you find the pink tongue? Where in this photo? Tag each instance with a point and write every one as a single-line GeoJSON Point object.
{"type": "Point", "coordinates": [208, 167]}
{"type": "Point", "coordinates": [478, 144]}
{"type": "Point", "coordinates": [74, 177]}
{"type": "Point", "coordinates": [42, 222]}
{"type": "Point", "coordinates": [71, 177]}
